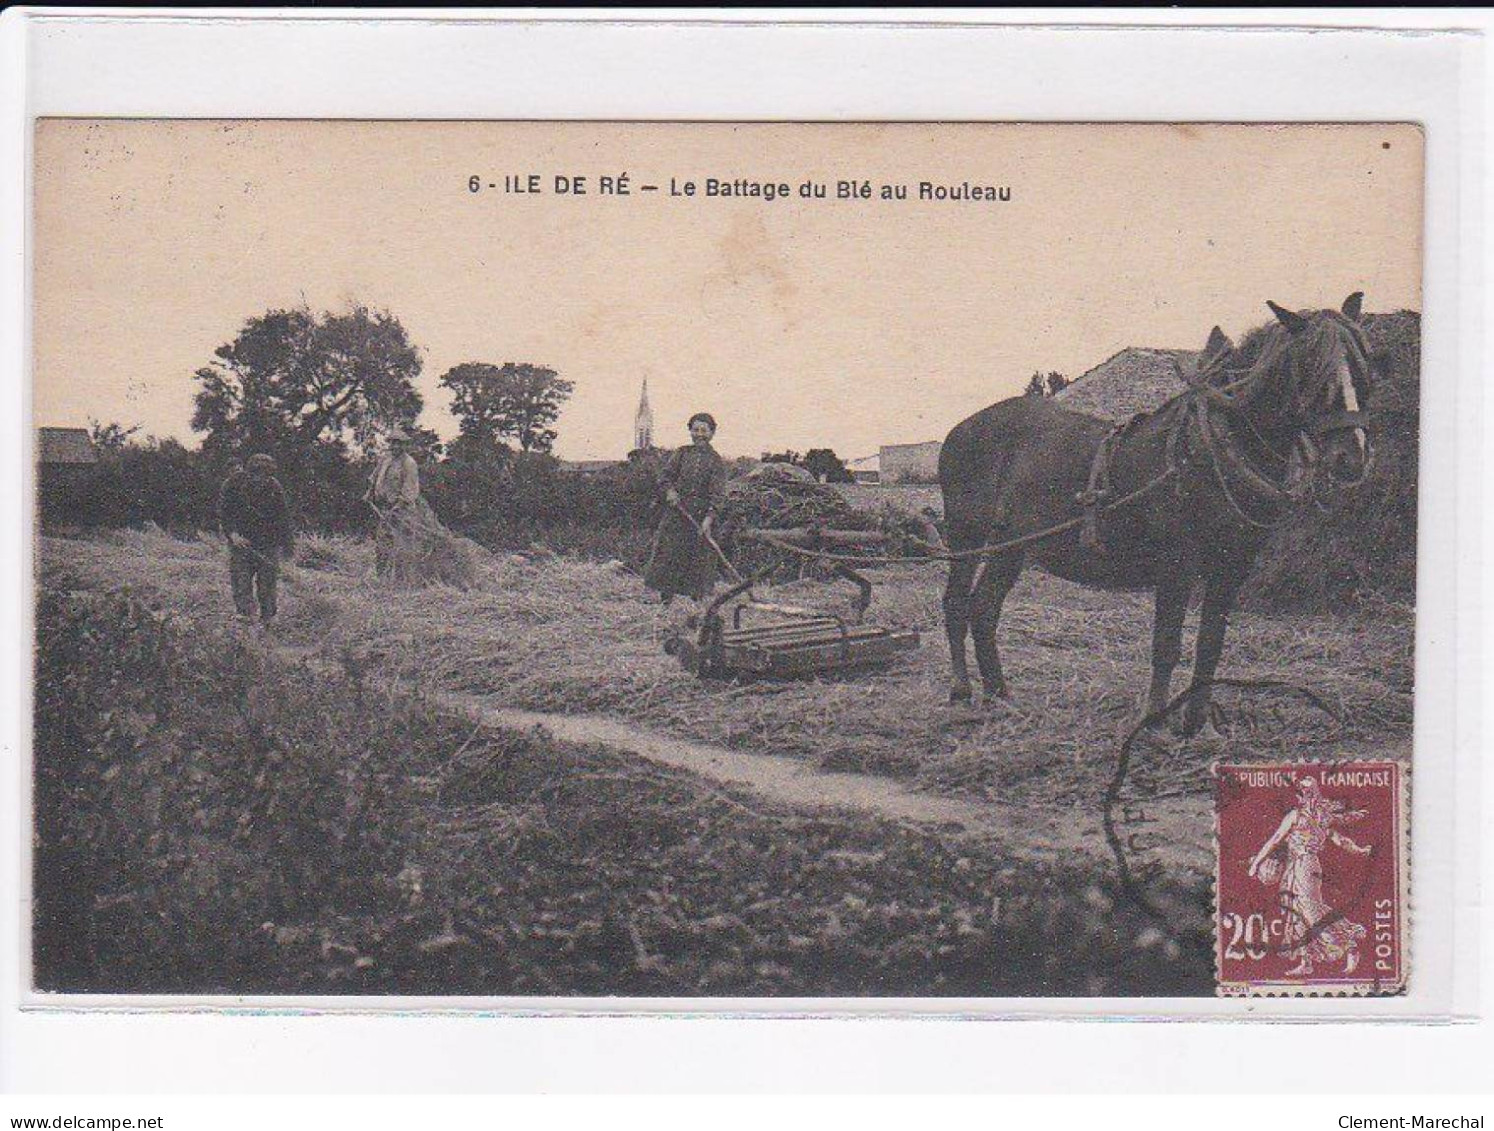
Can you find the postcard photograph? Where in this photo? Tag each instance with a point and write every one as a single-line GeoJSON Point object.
{"type": "Point", "coordinates": [710, 560]}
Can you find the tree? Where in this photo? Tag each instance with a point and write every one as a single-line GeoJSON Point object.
{"type": "Point", "coordinates": [112, 438]}
{"type": "Point", "coordinates": [291, 381]}
{"type": "Point", "coordinates": [826, 466]}
{"type": "Point", "coordinates": [425, 444]}
{"type": "Point", "coordinates": [790, 457]}
{"type": "Point", "coordinates": [1048, 384]}
{"type": "Point", "coordinates": [515, 400]}
{"type": "Point", "coordinates": [479, 450]}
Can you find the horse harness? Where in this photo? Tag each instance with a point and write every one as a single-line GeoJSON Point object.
{"type": "Point", "coordinates": [1226, 461]}
{"type": "Point", "coordinates": [1099, 498]}
{"type": "Point", "coordinates": [1097, 493]}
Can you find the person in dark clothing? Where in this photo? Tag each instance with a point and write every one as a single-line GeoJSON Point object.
{"type": "Point", "coordinates": [693, 481]}
{"type": "Point", "coordinates": [254, 517]}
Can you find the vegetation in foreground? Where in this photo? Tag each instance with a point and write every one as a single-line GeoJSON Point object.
{"type": "Point", "coordinates": [212, 818]}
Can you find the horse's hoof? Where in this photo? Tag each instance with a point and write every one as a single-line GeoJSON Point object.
{"type": "Point", "coordinates": [1197, 728]}
{"type": "Point", "coordinates": [960, 696]}
{"type": "Point", "coordinates": [1208, 735]}
{"type": "Point", "coordinates": [1161, 724]}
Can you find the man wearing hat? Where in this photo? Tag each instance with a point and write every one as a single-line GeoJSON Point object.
{"type": "Point", "coordinates": [394, 492]}
{"type": "Point", "coordinates": [396, 479]}
{"type": "Point", "coordinates": [254, 517]}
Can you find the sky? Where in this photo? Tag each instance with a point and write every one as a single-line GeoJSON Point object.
{"type": "Point", "coordinates": [798, 323]}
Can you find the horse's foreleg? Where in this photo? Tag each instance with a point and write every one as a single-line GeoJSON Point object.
{"type": "Point", "coordinates": [956, 624]}
{"type": "Point", "coordinates": [991, 588]}
{"type": "Point", "coordinates": [1220, 592]}
{"type": "Point", "coordinates": [1167, 636]}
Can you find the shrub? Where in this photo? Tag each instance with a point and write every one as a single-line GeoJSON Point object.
{"type": "Point", "coordinates": [159, 481]}
{"type": "Point", "coordinates": [190, 789]}
{"type": "Point", "coordinates": [175, 487]}
{"type": "Point", "coordinates": [533, 499]}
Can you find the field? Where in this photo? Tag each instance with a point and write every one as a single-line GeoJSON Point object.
{"type": "Point", "coordinates": [817, 887]}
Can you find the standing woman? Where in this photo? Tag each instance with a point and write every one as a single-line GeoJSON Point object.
{"type": "Point", "coordinates": [694, 481]}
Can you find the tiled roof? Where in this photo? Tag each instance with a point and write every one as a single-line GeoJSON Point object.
{"type": "Point", "coordinates": [1135, 380]}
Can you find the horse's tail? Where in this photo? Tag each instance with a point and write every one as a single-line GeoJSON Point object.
{"type": "Point", "coordinates": [974, 465]}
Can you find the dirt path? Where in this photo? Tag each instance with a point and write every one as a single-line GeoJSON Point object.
{"type": "Point", "coordinates": [1033, 832]}
{"type": "Point", "coordinates": [793, 782]}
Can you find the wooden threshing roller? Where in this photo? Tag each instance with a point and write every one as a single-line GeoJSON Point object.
{"type": "Point", "coordinates": [797, 642]}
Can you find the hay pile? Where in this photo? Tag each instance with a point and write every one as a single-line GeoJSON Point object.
{"type": "Point", "coordinates": [782, 497]}
{"type": "Point", "coordinates": [1351, 547]}
{"type": "Point", "coordinates": [569, 635]}
{"type": "Point", "coordinates": [778, 496]}
{"type": "Point", "coordinates": [412, 548]}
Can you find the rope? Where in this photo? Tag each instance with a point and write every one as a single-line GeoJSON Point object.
{"type": "Point", "coordinates": [936, 554]}
{"type": "Point", "coordinates": [1199, 394]}
{"type": "Point", "coordinates": [1128, 882]}
{"type": "Point", "coordinates": [1213, 448]}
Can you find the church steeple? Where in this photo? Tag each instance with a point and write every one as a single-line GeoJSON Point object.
{"type": "Point", "coordinates": [643, 421]}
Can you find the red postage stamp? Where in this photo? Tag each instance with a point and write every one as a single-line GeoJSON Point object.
{"type": "Point", "coordinates": [1310, 878]}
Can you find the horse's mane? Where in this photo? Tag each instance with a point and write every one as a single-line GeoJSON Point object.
{"type": "Point", "coordinates": [1260, 349]}
{"type": "Point", "coordinates": [1256, 356]}
{"type": "Point", "coordinates": [1255, 343]}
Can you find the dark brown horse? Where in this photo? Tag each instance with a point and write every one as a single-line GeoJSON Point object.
{"type": "Point", "coordinates": [1186, 493]}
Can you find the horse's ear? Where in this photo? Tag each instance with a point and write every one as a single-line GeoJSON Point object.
{"type": "Point", "coordinates": [1352, 306]}
{"type": "Point", "coordinates": [1217, 344]}
{"type": "Point", "coordinates": [1290, 319]}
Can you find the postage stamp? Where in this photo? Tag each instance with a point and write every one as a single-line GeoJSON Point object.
{"type": "Point", "coordinates": [1310, 882]}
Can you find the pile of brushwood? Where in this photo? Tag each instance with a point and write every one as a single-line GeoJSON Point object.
{"type": "Point", "coordinates": [774, 497]}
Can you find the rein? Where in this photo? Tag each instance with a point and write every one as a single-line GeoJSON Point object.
{"type": "Point", "coordinates": [1227, 462]}
{"type": "Point", "coordinates": [1225, 458]}
{"type": "Point", "coordinates": [938, 554]}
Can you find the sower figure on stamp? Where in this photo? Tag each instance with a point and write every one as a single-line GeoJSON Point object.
{"type": "Point", "coordinates": [254, 517]}
{"type": "Point", "coordinates": [683, 559]}
{"type": "Point", "coordinates": [1313, 932]}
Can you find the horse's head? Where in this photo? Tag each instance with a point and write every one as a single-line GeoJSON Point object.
{"type": "Point", "coordinates": [1328, 385]}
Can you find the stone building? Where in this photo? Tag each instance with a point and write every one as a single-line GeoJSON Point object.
{"type": "Point", "coordinates": [909, 463]}
{"type": "Point", "coordinates": [67, 463]}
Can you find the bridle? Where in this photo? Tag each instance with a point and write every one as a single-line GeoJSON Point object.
{"type": "Point", "coordinates": [1347, 419]}
{"type": "Point", "coordinates": [1235, 472]}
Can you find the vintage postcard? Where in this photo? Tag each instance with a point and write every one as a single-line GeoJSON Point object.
{"type": "Point", "coordinates": [711, 560]}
